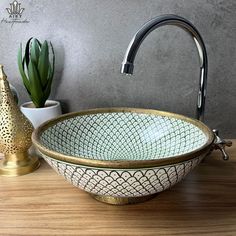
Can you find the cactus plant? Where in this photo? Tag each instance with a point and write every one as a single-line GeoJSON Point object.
{"type": "Point", "coordinates": [37, 70]}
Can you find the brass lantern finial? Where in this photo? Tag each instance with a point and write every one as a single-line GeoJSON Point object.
{"type": "Point", "coordinates": [15, 134]}
{"type": "Point", "coordinates": [2, 73]}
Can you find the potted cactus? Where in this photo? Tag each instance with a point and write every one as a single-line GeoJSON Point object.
{"type": "Point", "coordinates": [37, 70]}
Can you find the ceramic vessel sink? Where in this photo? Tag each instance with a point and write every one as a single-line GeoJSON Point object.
{"type": "Point", "coordinates": [123, 155]}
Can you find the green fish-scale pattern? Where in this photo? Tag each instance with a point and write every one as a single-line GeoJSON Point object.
{"type": "Point", "coordinates": [123, 136]}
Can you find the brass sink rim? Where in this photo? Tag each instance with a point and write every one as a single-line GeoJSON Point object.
{"type": "Point", "coordinates": [126, 164]}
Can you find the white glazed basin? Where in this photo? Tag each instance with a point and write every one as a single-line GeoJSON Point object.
{"type": "Point", "coordinates": [123, 155]}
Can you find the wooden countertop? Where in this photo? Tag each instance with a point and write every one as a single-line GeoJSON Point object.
{"type": "Point", "coordinates": [43, 203]}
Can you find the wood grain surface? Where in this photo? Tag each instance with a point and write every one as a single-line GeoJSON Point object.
{"type": "Point", "coordinates": [43, 203]}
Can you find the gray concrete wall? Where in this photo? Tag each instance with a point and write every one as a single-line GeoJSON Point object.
{"type": "Point", "coordinates": [91, 36]}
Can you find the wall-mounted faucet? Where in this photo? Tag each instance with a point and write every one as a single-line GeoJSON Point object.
{"type": "Point", "coordinates": [128, 62]}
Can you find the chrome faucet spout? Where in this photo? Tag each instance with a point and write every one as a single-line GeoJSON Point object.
{"type": "Point", "coordinates": [128, 66]}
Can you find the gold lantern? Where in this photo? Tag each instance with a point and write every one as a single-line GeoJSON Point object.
{"type": "Point", "coordinates": [15, 135]}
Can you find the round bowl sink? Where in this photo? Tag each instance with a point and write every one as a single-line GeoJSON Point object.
{"type": "Point", "coordinates": [123, 155]}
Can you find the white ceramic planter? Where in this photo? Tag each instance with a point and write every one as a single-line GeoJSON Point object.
{"type": "Point", "coordinates": [37, 116]}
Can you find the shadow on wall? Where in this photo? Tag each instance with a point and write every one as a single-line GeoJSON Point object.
{"type": "Point", "coordinates": [59, 69]}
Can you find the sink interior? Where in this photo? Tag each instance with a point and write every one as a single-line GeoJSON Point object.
{"type": "Point", "coordinates": [123, 136]}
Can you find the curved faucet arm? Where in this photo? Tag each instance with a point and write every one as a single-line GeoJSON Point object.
{"type": "Point", "coordinates": [127, 64]}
